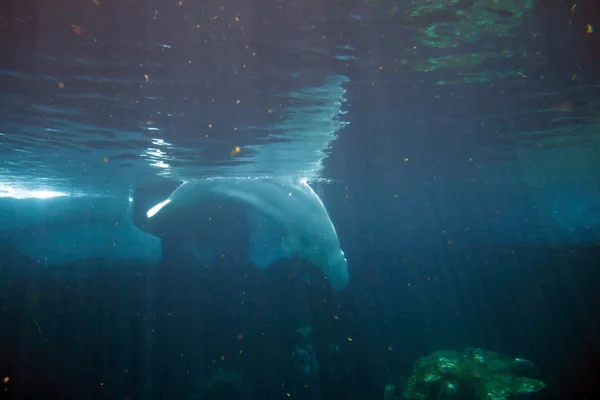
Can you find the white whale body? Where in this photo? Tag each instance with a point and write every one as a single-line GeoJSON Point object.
{"type": "Point", "coordinates": [285, 217]}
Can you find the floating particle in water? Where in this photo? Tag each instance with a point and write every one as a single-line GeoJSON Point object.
{"type": "Point", "coordinates": [77, 29]}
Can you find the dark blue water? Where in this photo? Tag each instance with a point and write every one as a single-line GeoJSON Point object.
{"type": "Point", "coordinates": [460, 172]}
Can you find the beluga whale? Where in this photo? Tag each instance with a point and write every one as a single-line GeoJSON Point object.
{"type": "Point", "coordinates": [284, 218]}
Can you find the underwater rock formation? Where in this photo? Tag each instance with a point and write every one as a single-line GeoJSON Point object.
{"type": "Point", "coordinates": [474, 374]}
